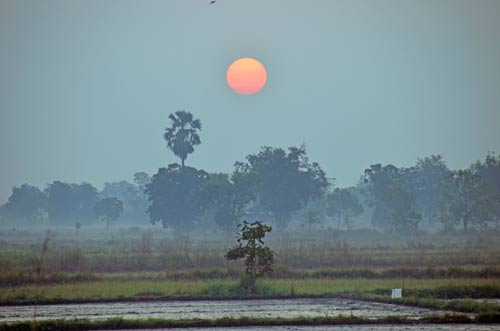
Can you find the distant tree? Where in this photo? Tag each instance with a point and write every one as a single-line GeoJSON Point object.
{"type": "Point", "coordinates": [142, 180]}
{"type": "Point", "coordinates": [226, 198]}
{"type": "Point", "coordinates": [259, 259]}
{"type": "Point", "coordinates": [109, 210]}
{"type": "Point", "coordinates": [284, 182]}
{"type": "Point", "coordinates": [343, 205]}
{"type": "Point", "coordinates": [26, 203]}
{"type": "Point", "coordinates": [489, 170]}
{"type": "Point", "coordinates": [182, 136]}
{"type": "Point", "coordinates": [68, 203]}
{"type": "Point", "coordinates": [467, 201]}
{"type": "Point", "coordinates": [426, 182]}
{"type": "Point", "coordinates": [311, 216]}
{"type": "Point", "coordinates": [446, 217]}
{"type": "Point", "coordinates": [402, 210]}
{"type": "Point", "coordinates": [135, 201]}
{"type": "Point", "coordinates": [86, 196]}
{"type": "Point", "coordinates": [173, 194]}
{"type": "Point", "coordinates": [3, 214]}
{"type": "Point", "coordinates": [377, 180]}
{"type": "Point", "coordinates": [61, 203]}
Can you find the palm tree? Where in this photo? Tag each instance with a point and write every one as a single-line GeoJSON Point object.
{"type": "Point", "coordinates": [182, 136]}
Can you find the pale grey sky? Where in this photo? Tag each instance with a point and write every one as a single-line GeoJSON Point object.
{"type": "Point", "coordinates": [86, 86]}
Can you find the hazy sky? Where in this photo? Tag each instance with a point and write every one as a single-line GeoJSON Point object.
{"type": "Point", "coordinates": [86, 86]}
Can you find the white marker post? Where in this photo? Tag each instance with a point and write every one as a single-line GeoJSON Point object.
{"type": "Point", "coordinates": [396, 293]}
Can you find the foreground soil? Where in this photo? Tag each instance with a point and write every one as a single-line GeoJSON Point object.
{"type": "Point", "coordinates": [210, 309]}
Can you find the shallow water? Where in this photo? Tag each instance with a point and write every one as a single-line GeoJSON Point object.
{"type": "Point", "coordinates": [208, 309]}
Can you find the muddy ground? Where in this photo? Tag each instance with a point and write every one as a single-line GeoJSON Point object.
{"type": "Point", "coordinates": [205, 309]}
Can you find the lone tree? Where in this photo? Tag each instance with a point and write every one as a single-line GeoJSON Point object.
{"type": "Point", "coordinates": [343, 205]}
{"type": "Point", "coordinates": [182, 136]}
{"type": "Point", "coordinates": [259, 259]}
{"type": "Point", "coordinates": [26, 203]}
{"type": "Point", "coordinates": [402, 210]}
{"type": "Point", "coordinates": [174, 196]}
{"type": "Point", "coordinates": [468, 200]}
{"type": "Point", "coordinates": [226, 198]}
{"type": "Point", "coordinates": [109, 209]}
{"type": "Point", "coordinates": [285, 181]}
{"type": "Point", "coordinates": [376, 181]}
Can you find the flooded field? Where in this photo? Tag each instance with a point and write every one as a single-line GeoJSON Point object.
{"type": "Point", "coordinates": [213, 309]}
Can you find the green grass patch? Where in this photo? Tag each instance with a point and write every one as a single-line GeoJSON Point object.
{"type": "Point", "coordinates": [112, 290]}
{"type": "Point", "coordinates": [439, 297]}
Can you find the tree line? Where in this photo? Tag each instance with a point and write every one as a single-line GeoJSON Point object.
{"type": "Point", "coordinates": [274, 184]}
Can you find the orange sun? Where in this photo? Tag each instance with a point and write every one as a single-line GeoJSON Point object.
{"type": "Point", "coordinates": [246, 76]}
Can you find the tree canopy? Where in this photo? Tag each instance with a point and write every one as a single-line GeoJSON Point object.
{"type": "Point", "coordinates": [226, 198]}
{"type": "Point", "coordinates": [26, 203]}
{"type": "Point", "coordinates": [109, 210]}
{"type": "Point", "coordinates": [468, 200]}
{"type": "Point", "coordinates": [285, 181]}
{"type": "Point", "coordinates": [173, 195]}
{"type": "Point", "coordinates": [343, 205]}
{"type": "Point", "coordinates": [71, 202]}
{"type": "Point", "coordinates": [182, 136]}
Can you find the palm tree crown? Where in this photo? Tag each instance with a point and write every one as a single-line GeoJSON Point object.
{"type": "Point", "coordinates": [182, 136]}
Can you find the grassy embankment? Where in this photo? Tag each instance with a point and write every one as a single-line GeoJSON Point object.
{"type": "Point", "coordinates": [419, 292]}
{"type": "Point", "coordinates": [119, 323]}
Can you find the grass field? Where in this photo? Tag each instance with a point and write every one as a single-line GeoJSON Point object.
{"type": "Point", "coordinates": [135, 250]}
{"type": "Point", "coordinates": [111, 290]}
{"type": "Point", "coordinates": [135, 264]}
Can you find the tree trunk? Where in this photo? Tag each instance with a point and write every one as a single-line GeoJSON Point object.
{"type": "Point", "coordinates": [182, 162]}
{"type": "Point", "coordinates": [466, 223]}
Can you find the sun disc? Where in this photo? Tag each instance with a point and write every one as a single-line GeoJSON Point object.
{"type": "Point", "coordinates": [246, 76]}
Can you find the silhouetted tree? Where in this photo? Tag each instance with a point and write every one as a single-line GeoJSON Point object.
{"type": "Point", "coordinates": [86, 196]}
{"type": "Point", "coordinates": [284, 182]}
{"type": "Point", "coordinates": [377, 179]}
{"type": "Point", "coordinates": [142, 180]}
{"type": "Point", "coordinates": [135, 201]}
{"type": "Point", "coordinates": [226, 199]}
{"type": "Point", "coordinates": [426, 183]}
{"type": "Point", "coordinates": [259, 259]}
{"type": "Point", "coordinates": [109, 210]}
{"type": "Point", "coordinates": [489, 170]}
{"type": "Point", "coordinates": [311, 216]}
{"type": "Point", "coordinates": [68, 203]}
{"type": "Point", "coordinates": [467, 201]}
{"type": "Point", "coordinates": [402, 210]}
{"type": "Point", "coordinates": [26, 203]}
{"type": "Point", "coordinates": [182, 136]}
{"type": "Point", "coordinates": [173, 193]}
{"type": "Point", "coordinates": [343, 205]}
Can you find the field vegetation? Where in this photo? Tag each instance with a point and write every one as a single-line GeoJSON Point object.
{"type": "Point", "coordinates": [120, 323]}
{"type": "Point", "coordinates": [428, 229]}
{"type": "Point", "coordinates": [442, 271]}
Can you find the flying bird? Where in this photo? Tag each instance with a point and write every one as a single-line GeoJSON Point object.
{"type": "Point", "coordinates": [212, 2]}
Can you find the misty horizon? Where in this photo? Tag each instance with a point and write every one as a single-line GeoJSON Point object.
{"type": "Point", "coordinates": [87, 88]}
